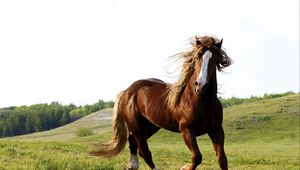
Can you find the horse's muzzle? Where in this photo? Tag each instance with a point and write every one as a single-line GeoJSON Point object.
{"type": "Point", "coordinates": [198, 87]}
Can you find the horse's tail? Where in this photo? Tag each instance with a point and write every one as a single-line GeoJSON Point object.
{"type": "Point", "coordinates": [119, 139]}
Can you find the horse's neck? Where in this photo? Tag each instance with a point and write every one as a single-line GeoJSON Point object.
{"type": "Point", "coordinates": [210, 94]}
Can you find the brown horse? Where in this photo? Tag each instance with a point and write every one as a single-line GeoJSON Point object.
{"type": "Point", "coordinates": [190, 106]}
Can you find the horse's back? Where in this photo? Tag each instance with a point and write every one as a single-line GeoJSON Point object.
{"type": "Point", "coordinates": [144, 83]}
{"type": "Point", "coordinates": [146, 99]}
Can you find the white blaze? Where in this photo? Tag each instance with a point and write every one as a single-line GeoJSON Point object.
{"type": "Point", "coordinates": [201, 80]}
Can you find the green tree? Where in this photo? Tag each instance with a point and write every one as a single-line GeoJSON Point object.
{"type": "Point", "coordinates": [65, 119]}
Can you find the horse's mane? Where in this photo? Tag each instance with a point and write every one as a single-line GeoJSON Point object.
{"type": "Point", "coordinates": [189, 59]}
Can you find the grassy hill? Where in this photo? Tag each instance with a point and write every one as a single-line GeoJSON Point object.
{"type": "Point", "coordinates": [259, 135]}
{"type": "Point", "coordinates": [99, 121]}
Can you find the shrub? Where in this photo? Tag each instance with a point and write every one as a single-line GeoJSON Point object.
{"type": "Point", "coordinates": [80, 132]}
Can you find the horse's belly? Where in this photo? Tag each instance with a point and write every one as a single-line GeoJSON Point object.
{"type": "Point", "coordinates": [165, 123]}
{"type": "Point", "coordinates": [173, 129]}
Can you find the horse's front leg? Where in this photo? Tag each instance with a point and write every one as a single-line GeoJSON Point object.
{"type": "Point", "coordinates": [217, 137]}
{"type": "Point", "coordinates": [190, 140]}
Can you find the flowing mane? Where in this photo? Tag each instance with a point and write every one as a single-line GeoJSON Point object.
{"type": "Point", "coordinates": [198, 45]}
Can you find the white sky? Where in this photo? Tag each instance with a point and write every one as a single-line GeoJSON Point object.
{"type": "Point", "coordinates": [79, 51]}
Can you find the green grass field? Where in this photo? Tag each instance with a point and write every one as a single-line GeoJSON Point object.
{"type": "Point", "coordinates": [259, 135]}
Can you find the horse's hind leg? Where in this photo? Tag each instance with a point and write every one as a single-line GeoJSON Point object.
{"type": "Point", "coordinates": [150, 129]}
{"type": "Point", "coordinates": [133, 162]}
{"type": "Point", "coordinates": [144, 151]}
{"type": "Point", "coordinates": [217, 137]}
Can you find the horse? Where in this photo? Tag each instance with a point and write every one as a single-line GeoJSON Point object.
{"type": "Point", "coordinates": [189, 106]}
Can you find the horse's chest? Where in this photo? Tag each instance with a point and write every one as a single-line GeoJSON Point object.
{"type": "Point", "coordinates": [203, 122]}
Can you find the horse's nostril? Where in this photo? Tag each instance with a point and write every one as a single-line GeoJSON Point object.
{"type": "Point", "coordinates": [196, 83]}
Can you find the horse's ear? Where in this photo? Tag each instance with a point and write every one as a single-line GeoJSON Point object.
{"type": "Point", "coordinates": [219, 44]}
{"type": "Point", "coordinates": [197, 40]}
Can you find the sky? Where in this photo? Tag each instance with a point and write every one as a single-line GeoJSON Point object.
{"type": "Point", "coordinates": [80, 51]}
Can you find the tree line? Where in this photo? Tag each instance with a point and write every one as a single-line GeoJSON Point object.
{"type": "Point", "coordinates": [39, 117]}
{"type": "Point", "coordinates": [237, 101]}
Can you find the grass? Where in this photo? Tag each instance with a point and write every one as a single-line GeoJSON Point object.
{"type": "Point", "coordinates": [259, 135]}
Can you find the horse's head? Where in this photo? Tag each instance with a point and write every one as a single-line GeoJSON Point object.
{"type": "Point", "coordinates": [211, 57]}
{"type": "Point", "coordinates": [200, 63]}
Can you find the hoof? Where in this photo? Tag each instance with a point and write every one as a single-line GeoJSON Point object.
{"type": "Point", "coordinates": [186, 167]}
{"type": "Point", "coordinates": [133, 163]}
{"type": "Point", "coordinates": [132, 167]}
